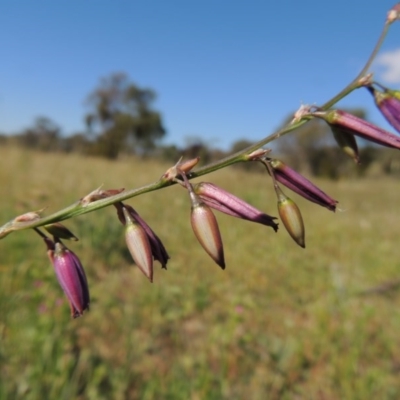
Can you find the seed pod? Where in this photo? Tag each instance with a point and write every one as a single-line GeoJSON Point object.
{"type": "Point", "coordinates": [291, 217]}
{"type": "Point", "coordinates": [206, 229]}
{"type": "Point", "coordinates": [347, 142]}
{"type": "Point", "coordinates": [138, 245]}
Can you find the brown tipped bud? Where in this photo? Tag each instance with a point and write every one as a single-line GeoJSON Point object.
{"type": "Point", "coordinates": [206, 229]}
{"type": "Point", "coordinates": [60, 231]}
{"type": "Point", "coordinates": [291, 218]}
{"type": "Point", "coordinates": [180, 167]}
{"type": "Point", "coordinates": [393, 14]}
{"type": "Point", "coordinates": [138, 245]}
{"type": "Point", "coordinates": [31, 216]}
{"type": "Point", "coordinates": [99, 194]}
{"type": "Point", "coordinates": [347, 142]}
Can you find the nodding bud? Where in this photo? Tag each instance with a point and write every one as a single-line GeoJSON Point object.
{"type": "Point", "coordinates": [300, 185]}
{"type": "Point", "coordinates": [70, 275]}
{"type": "Point", "coordinates": [353, 125]}
{"type": "Point", "coordinates": [389, 105]}
{"type": "Point", "coordinates": [223, 201]}
{"type": "Point", "coordinates": [291, 217]}
{"type": "Point", "coordinates": [157, 248]}
{"type": "Point", "coordinates": [394, 13]}
{"type": "Point", "coordinates": [347, 142]}
{"type": "Point", "coordinates": [138, 245]}
{"type": "Point", "coordinates": [59, 230]}
{"type": "Point", "coordinates": [205, 227]}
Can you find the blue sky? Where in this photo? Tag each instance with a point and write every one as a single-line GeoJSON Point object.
{"type": "Point", "coordinates": [223, 70]}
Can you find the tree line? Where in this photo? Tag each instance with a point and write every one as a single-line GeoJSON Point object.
{"type": "Point", "coordinates": [122, 121]}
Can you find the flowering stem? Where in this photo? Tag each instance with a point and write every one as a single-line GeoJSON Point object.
{"type": "Point", "coordinates": [78, 208]}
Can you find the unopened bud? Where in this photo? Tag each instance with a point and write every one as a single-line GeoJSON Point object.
{"type": "Point", "coordinates": [300, 184]}
{"type": "Point", "coordinates": [138, 245]}
{"type": "Point", "coordinates": [347, 142]}
{"type": "Point", "coordinates": [205, 227]}
{"type": "Point", "coordinates": [99, 194]}
{"type": "Point", "coordinates": [180, 167]}
{"type": "Point", "coordinates": [389, 105]}
{"type": "Point", "coordinates": [71, 276]}
{"type": "Point", "coordinates": [291, 217]}
{"type": "Point", "coordinates": [351, 124]}
{"type": "Point", "coordinates": [60, 231]}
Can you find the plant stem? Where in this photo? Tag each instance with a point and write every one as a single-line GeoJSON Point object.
{"type": "Point", "coordinates": [79, 209]}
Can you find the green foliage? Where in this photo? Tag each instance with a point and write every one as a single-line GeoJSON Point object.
{"type": "Point", "coordinates": [122, 118]}
{"type": "Point", "coordinates": [279, 323]}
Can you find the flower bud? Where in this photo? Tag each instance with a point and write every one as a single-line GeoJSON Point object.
{"type": "Point", "coordinates": [157, 248]}
{"type": "Point", "coordinates": [138, 245]}
{"type": "Point", "coordinates": [291, 218]}
{"type": "Point", "coordinates": [60, 231]}
{"type": "Point", "coordinates": [393, 14]}
{"type": "Point", "coordinates": [347, 142]}
{"type": "Point", "coordinates": [180, 167]}
{"type": "Point", "coordinates": [223, 201]}
{"type": "Point", "coordinates": [99, 194]}
{"type": "Point", "coordinates": [300, 185]}
{"type": "Point", "coordinates": [389, 105]}
{"type": "Point", "coordinates": [353, 125]}
{"type": "Point", "coordinates": [206, 229]}
{"type": "Point", "coordinates": [71, 276]}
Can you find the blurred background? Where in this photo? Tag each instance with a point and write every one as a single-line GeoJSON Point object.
{"type": "Point", "coordinates": [113, 94]}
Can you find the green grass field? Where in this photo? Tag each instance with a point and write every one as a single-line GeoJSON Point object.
{"type": "Point", "coordinates": [280, 322]}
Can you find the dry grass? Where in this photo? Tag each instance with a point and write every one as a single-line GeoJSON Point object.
{"type": "Point", "coordinates": [279, 323]}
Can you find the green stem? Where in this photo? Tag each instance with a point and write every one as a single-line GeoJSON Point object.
{"type": "Point", "coordinates": [79, 209]}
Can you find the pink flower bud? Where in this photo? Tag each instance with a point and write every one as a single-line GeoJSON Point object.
{"type": "Point", "coordinates": [206, 229]}
{"type": "Point", "coordinates": [223, 201]}
{"type": "Point", "coordinates": [389, 105]}
{"type": "Point", "coordinates": [138, 245]}
{"type": "Point", "coordinates": [351, 124]}
{"type": "Point", "coordinates": [157, 248]}
{"type": "Point", "coordinates": [301, 185]}
{"type": "Point", "coordinates": [70, 275]}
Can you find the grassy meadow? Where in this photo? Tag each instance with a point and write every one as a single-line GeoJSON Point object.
{"type": "Point", "coordinates": [280, 322]}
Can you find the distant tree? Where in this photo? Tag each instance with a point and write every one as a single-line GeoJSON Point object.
{"type": "Point", "coordinates": [122, 119]}
{"type": "Point", "coordinates": [76, 143]}
{"type": "Point", "coordinates": [43, 135]}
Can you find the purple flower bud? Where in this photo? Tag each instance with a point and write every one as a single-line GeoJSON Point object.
{"type": "Point", "coordinates": [138, 245]}
{"type": "Point", "coordinates": [356, 126]}
{"type": "Point", "coordinates": [389, 105]}
{"type": "Point", "coordinates": [300, 185]}
{"type": "Point", "coordinates": [223, 201]}
{"type": "Point", "coordinates": [157, 248]}
{"type": "Point", "coordinates": [70, 275]}
{"type": "Point", "coordinates": [205, 227]}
